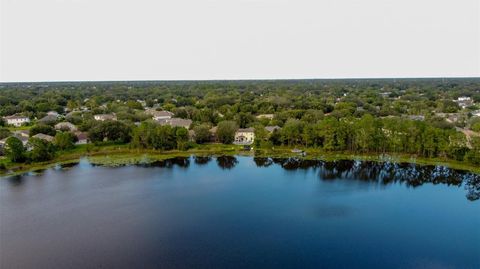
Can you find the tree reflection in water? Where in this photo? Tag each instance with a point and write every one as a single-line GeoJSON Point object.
{"type": "Point", "coordinates": [378, 172]}
{"type": "Point", "coordinates": [263, 161]}
{"type": "Point", "coordinates": [183, 162]}
{"type": "Point", "coordinates": [201, 160]}
{"type": "Point", "coordinates": [382, 172]}
{"type": "Point", "coordinates": [227, 162]}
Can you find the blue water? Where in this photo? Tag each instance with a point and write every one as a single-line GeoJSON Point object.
{"type": "Point", "coordinates": [240, 213]}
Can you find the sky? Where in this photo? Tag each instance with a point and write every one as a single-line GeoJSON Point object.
{"type": "Point", "coordinates": [75, 40]}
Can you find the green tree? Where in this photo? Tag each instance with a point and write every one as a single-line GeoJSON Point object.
{"type": "Point", "coordinates": [226, 131]}
{"type": "Point", "coordinates": [144, 135]}
{"type": "Point", "coordinates": [14, 149]}
{"type": "Point", "coordinates": [115, 131]}
{"type": "Point", "coordinates": [244, 119]}
{"type": "Point", "coordinates": [202, 133]}
{"type": "Point", "coordinates": [4, 133]}
{"type": "Point", "coordinates": [41, 150]}
{"type": "Point", "coordinates": [292, 131]}
{"type": "Point", "coordinates": [476, 127]}
{"type": "Point", "coordinates": [42, 129]}
{"type": "Point", "coordinates": [65, 140]}
{"type": "Point", "coordinates": [134, 105]}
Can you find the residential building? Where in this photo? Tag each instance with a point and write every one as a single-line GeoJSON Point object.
{"type": "Point", "coordinates": [22, 133]}
{"type": "Point", "coordinates": [53, 113]}
{"type": "Point", "coordinates": [48, 119]}
{"type": "Point", "coordinates": [104, 117]}
{"type": "Point", "coordinates": [244, 136]}
{"type": "Point", "coordinates": [270, 129]}
{"type": "Point", "coordinates": [45, 137]}
{"type": "Point", "coordinates": [82, 138]}
{"type": "Point", "coordinates": [16, 120]}
{"type": "Point", "coordinates": [464, 101]}
{"type": "Point", "coordinates": [66, 126]}
{"type": "Point", "coordinates": [176, 122]}
{"type": "Point", "coordinates": [159, 115]}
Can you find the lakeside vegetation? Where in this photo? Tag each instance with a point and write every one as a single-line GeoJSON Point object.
{"type": "Point", "coordinates": [119, 155]}
{"type": "Point", "coordinates": [431, 120]}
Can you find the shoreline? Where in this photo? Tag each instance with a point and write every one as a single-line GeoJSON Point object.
{"type": "Point", "coordinates": [120, 155]}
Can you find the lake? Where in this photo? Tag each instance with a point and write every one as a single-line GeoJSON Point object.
{"type": "Point", "coordinates": [241, 212]}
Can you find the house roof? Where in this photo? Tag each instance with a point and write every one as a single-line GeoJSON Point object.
{"type": "Point", "coordinates": [49, 118]}
{"type": "Point", "coordinates": [23, 133]}
{"type": "Point", "coordinates": [272, 128]}
{"type": "Point", "coordinates": [246, 130]}
{"type": "Point", "coordinates": [65, 124]}
{"type": "Point", "coordinates": [15, 117]}
{"type": "Point", "coordinates": [81, 135]}
{"type": "Point", "coordinates": [176, 122]}
{"type": "Point", "coordinates": [265, 116]}
{"type": "Point", "coordinates": [48, 138]}
{"type": "Point", "coordinates": [106, 116]}
{"type": "Point", "coordinates": [162, 113]}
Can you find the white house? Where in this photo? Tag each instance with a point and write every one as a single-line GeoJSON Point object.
{"type": "Point", "coordinates": [16, 120]}
{"type": "Point", "coordinates": [464, 101]}
{"type": "Point", "coordinates": [104, 117]}
{"type": "Point", "coordinates": [244, 136]}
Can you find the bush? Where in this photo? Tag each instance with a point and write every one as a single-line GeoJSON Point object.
{"type": "Point", "coordinates": [42, 129]}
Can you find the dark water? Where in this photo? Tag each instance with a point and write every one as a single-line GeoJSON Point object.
{"type": "Point", "coordinates": [241, 212]}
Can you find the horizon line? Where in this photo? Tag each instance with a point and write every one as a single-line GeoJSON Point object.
{"type": "Point", "coordinates": [244, 79]}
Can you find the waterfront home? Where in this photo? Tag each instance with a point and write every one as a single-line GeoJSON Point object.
{"type": "Point", "coordinates": [45, 137]}
{"type": "Point", "coordinates": [244, 136]}
{"type": "Point", "coordinates": [176, 122]}
{"type": "Point", "coordinates": [16, 120]}
{"type": "Point", "coordinates": [159, 115]}
{"type": "Point", "coordinates": [66, 126]}
{"type": "Point", "coordinates": [104, 117]}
